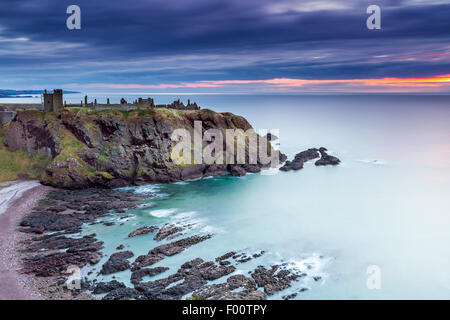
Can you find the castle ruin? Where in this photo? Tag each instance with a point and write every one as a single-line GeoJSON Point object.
{"type": "Point", "coordinates": [54, 102]}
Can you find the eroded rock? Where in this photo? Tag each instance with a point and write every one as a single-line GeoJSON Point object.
{"type": "Point", "coordinates": [274, 279]}
{"type": "Point", "coordinates": [117, 262]}
{"type": "Point", "coordinates": [191, 276]}
{"type": "Point", "coordinates": [136, 276]}
{"type": "Point", "coordinates": [299, 160]}
{"type": "Point", "coordinates": [143, 230]}
{"type": "Point", "coordinates": [104, 287]}
{"type": "Point", "coordinates": [326, 159]}
{"type": "Point", "coordinates": [159, 253]}
{"type": "Point", "coordinates": [123, 294]}
{"type": "Point", "coordinates": [237, 287]}
{"type": "Point", "coordinates": [167, 231]}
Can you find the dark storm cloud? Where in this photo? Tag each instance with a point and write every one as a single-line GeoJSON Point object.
{"type": "Point", "coordinates": [162, 41]}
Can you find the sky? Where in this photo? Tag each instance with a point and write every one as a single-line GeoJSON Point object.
{"type": "Point", "coordinates": [226, 46]}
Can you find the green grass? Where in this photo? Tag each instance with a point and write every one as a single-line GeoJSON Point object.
{"type": "Point", "coordinates": [70, 145]}
{"type": "Point", "coordinates": [13, 164]}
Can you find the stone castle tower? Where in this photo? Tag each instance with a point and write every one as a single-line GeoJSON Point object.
{"type": "Point", "coordinates": [53, 101]}
{"type": "Point", "coordinates": [57, 99]}
{"type": "Point", "coordinates": [48, 101]}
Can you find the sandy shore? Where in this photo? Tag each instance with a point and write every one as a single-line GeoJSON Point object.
{"type": "Point", "coordinates": [16, 199]}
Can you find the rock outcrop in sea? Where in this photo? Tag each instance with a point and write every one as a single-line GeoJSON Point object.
{"type": "Point", "coordinates": [310, 154]}
{"type": "Point", "coordinates": [326, 159]}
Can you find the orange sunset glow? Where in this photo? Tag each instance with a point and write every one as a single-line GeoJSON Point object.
{"type": "Point", "coordinates": [435, 81]}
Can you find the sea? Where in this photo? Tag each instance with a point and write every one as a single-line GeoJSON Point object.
{"type": "Point", "coordinates": [374, 227]}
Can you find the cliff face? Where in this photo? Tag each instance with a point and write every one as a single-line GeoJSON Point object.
{"type": "Point", "coordinates": [114, 148]}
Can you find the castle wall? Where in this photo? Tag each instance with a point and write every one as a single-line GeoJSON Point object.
{"type": "Point", "coordinates": [48, 102]}
{"type": "Point", "coordinates": [57, 99]}
{"type": "Point", "coordinates": [123, 107]}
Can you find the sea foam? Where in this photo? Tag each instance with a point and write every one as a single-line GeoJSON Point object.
{"type": "Point", "coordinates": [162, 213]}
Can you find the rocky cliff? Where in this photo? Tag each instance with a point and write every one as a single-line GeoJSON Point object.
{"type": "Point", "coordinates": [110, 148]}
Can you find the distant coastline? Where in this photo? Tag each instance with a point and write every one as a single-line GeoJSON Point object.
{"type": "Point", "coordinates": [6, 93]}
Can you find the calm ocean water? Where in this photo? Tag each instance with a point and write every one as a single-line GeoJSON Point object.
{"type": "Point", "coordinates": [387, 205]}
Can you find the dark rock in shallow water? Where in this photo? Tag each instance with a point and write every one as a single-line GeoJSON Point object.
{"type": "Point", "coordinates": [258, 254]}
{"type": "Point", "coordinates": [70, 209]}
{"type": "Point", "coordinates": [143, 230]}
{"type": "Point", "coordinates": [146, 260]}
{"type": "Point", "coordinates": [175, 247]}
{"type": "Point", "coordinates": [326, 159]}
{"type": "Point", "coordinates": [290, 296]}
{"type": "Point", "coordinates": [42, 221]}
{"type": "Point", "coordinates": [242, 258]}
{"type": "Point", "coordinates": [191, 276]}
{"type": "Point", "coordinates": [94, 260]}
{"type": "Point", "coordinates": [313, 153]}
{"type": "Point", "coordinates": [192, 263]}
{"type": "Point", "coordinates": [123, 294]}
{"type": "Point", "coordinates": [78, 251]}
{"type": "Point", "coordinates": [55, 263]}
{"type": "Point", "coordinates": [117, 262]}
{"type": "Point", "coordinates": [104, 287]}
{"type": "Point", "coordinates": [237, 287]}
{"type": "Point", "coordinates": [299, 159]}
{"type": "Point", "coordinates": [226, 256]}
{"type": "Point", "coordinates": [159, 253]}
{"type": "Point", "coordinates": [63, 212]}
{"type": "Point", "coordinates": [274, 279]}
{"type": "Point", "coordinates": [167, 231]}
{"type": "Point", "coordinates": [59, 242]}
{"type": "Point", "coordinates": [291, 165]}
{"type": "Point", "coordinates": [307, 155]}
{"type": "Point", "coordinates": [137, 275]}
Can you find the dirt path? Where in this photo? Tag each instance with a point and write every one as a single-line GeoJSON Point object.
{"type": "Point", "coordinates": [16, 199]}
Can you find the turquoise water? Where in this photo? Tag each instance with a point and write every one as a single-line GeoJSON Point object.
{"type": "Point", "coordinates": [387, 204]}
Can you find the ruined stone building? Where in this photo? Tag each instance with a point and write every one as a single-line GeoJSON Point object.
{"type": "Point", "coordinates": [53, 101]}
